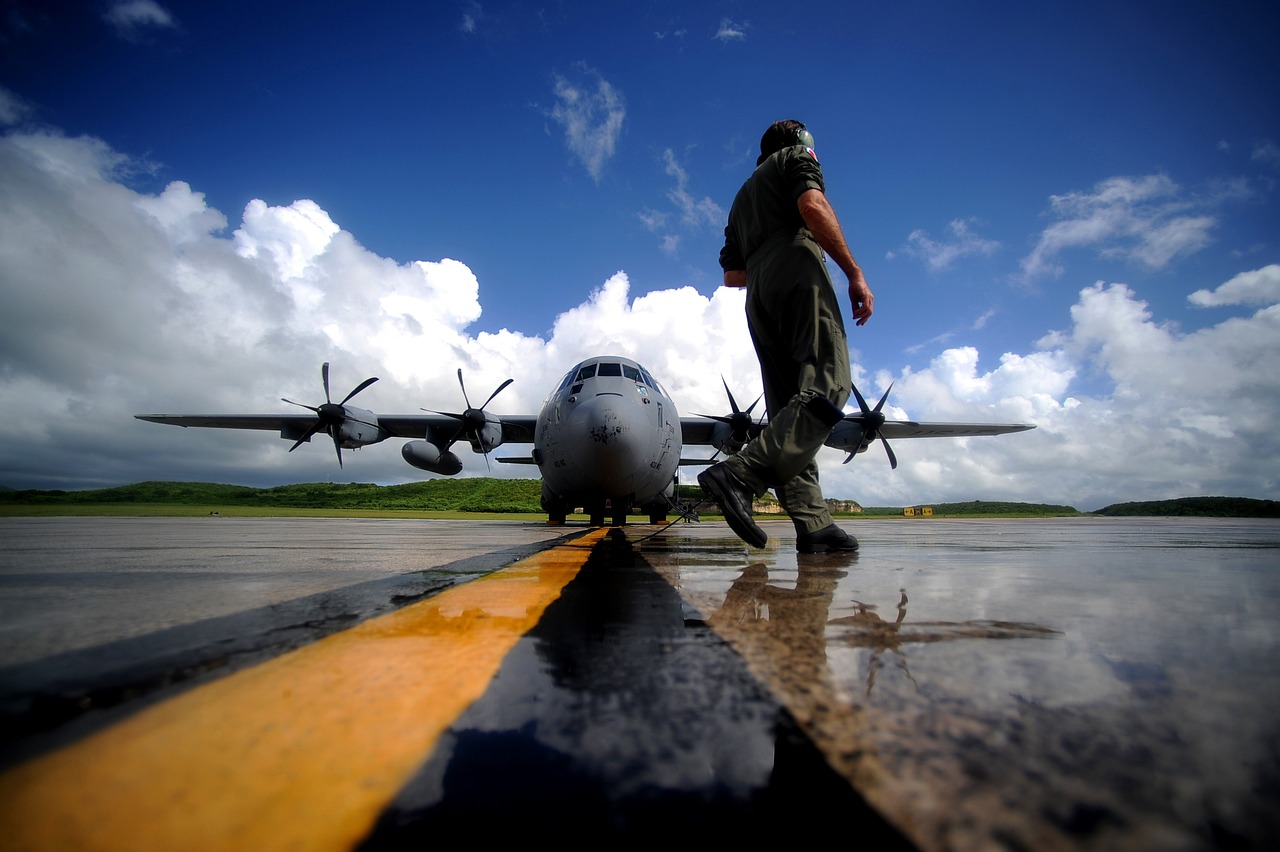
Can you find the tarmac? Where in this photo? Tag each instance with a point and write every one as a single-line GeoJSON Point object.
{"type": "Point", "coordinates": [229, 683]}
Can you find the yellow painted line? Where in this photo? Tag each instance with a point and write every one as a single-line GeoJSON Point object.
{"type": "Point", "coordinates": [301, 752]}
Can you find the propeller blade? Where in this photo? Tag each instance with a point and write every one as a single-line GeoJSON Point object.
{"type": "Point", "coordinates": [893, 460]}
{"type": "Point", "coordinates": [862, 403]}
{"type": "Point", "coordinates": [733, 404]}
{"type": "Point", "coordinates": [500, 389]}
{"type": "Point", "coordinates": [330, 416]}
{"type": "Point", "coordinates": [300, 405]}
{"type": "Point", "coordinates": [306, 436]}
{"type": "Point", "coordinates": [464, 388]}
{"type": "Point", "coordinates": [880, 404]}
{"type": "Point", "coordinates": [359, 388]}
{"type": "Point", "coordinates": [871, 421]}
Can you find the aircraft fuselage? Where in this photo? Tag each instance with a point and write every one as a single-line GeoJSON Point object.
{"type": "Point", "coordinates": [608, 432]}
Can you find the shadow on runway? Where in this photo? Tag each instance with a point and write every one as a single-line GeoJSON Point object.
{"type": "Point", "coordinates": [617, 717]}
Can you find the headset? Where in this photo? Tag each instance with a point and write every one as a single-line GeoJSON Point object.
{"type": "Point", "coordinates": [798, 136]}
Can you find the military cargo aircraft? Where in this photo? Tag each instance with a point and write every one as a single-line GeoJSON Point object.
{"type": "Point", "coordinates": [608, 439]}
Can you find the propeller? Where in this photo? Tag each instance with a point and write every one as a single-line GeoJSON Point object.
{"type": "Point", "coordinates": [740, 422]}
{"type": "Point", "coordinates": [331, 415]}
{"type": "Point", "coordinates": [471, 421]}
{"type": "Point", "coordinates": [872, 420]}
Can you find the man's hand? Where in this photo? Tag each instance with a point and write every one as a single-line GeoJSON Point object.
{"type": "Point", "coordinates": [735, 278]}
{"type": "Point", "coordinates": [861, 298]}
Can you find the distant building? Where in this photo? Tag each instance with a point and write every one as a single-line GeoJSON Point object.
{"type": "Point", "coordinates": [768, 505]}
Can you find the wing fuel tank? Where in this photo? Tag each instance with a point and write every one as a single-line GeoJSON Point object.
{"type": "Point", "coordinates": [425, 455]}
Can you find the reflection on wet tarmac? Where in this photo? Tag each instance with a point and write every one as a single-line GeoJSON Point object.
{"type": "Point", "coordinates": [678, 686]}
{"type": "Point", "coordinates": [1097, 738]}
{"type": "Point", "coordinates": [866, 629]}
{"type": "Point", "coordinates": [615, 717]}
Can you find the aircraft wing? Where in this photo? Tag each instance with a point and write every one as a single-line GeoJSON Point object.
{"type": "Point", "coordinates": [701, 430]}
{"type": "Point", "coordinates": [434, 427]}
{"type": "Point", "coordinates": [516, 429]}
{"type": "Point", "coordinates": [266, 422]}
{"type": "Point", "coordinates": [696, 430]}
{"type": "Point", "coordinates": [912, 429]}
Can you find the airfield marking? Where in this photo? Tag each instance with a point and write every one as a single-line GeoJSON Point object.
{"type": "Point", "coordinates": [302, 751]}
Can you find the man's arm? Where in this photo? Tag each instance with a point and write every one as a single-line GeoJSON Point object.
{"type": "Point", "coordinates": [821, 221]}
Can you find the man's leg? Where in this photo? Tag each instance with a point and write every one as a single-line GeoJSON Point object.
{"type": "Point", "coordinates": [801, 498]}
{"type": "Point", "coordinates": [804, 363]}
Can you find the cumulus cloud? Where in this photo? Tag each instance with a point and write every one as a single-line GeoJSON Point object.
{"type": "Point", "coordinates": [1190, 414]}
{"type": "Point", "coordinates": [118, 302]}
{"type": "Point", "coordinates": [940, 254]}
{"type": "Point", "coordinates": [1148, 220]}
{"type": "Point", "coordinates": [132, 18]}
{"type": "Point", "coordinates": [590, 111]}
{"type": "Point", "coordinates": [1256, 287]}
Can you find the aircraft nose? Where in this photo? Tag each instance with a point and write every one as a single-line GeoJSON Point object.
{"type": "Point", "coordinates": [613, 437]}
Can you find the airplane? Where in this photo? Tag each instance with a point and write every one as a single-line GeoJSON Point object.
{"type": "Point", "coordinates": [608, 438]}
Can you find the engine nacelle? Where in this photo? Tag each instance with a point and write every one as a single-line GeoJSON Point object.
{"type": "Point", "coordinates": [848, 436]}
{"type": "Point", "coordinates": [425, 455]}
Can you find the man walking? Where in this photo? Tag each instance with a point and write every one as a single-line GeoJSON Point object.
{"type": "Point", "coordinates": [779, 226]}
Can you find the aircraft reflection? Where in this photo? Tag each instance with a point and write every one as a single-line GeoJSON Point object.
{"type": "Point", "coordinates": [866, 629]}
{"type": "Point", "coordinates": [784, 634]}
{"type": "Point", "coordinates": [788, 630]}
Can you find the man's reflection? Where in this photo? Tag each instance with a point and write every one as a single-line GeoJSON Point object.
{"type": "Point", "coordinates": [781, 632]}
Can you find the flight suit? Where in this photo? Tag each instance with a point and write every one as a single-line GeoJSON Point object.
{"type": "Point", "coordinates": [798, 331]}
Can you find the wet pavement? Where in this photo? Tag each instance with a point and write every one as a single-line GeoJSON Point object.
{"type": "Point", "coordinates": [1056, 684]}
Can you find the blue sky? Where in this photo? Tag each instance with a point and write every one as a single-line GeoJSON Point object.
{"type": "Point", "coordinates": [203, 202]}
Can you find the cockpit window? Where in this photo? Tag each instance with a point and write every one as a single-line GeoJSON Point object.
{"type": "Point", "coordinates": [652, 382]}
{"type": "Point", "coordinates": [607, 369]}
{"type": "Point", "coordinates": [632, 373]}
{"type": "Point", "coordinates": [586, 372]}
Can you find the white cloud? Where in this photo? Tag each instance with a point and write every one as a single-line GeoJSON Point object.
{"type": "Point", "coordinates": [131, 18]}
{"type": "Point", "coordinates": [1258, 287]}
{"type": "Point", "coordinates": [1267, 153]}
{"type": "Point", "coordinates": [1191, 414]}
{"type": "Point", "coordinates": [1149, 220]}
{"type": "Point", "coordinates": [117, 303]}
{"type": "Point", "coordinates": [694, 213]}
{"type": "Point", "coordinates": [940, 254]}
{"type": "Point", "coordinates": [591, 113]}
{"type": "Point", "coordinates": [730, 31]}
{"type": "Point", "coordinates": [13, 109]}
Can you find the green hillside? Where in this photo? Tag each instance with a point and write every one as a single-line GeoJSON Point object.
{"type": "Point", "coordinates": [981, 508]}
{"type": "Point", "coordinates": [1203, 507]}
{"type": "Point", "coordinates": [435, 495]}
{"type": "Point", "coordinates": [518, 496]}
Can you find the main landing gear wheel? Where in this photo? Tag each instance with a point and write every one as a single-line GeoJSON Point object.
{"type": "Point", "coordinates": [555, 508]}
